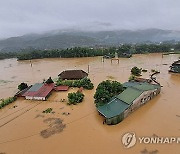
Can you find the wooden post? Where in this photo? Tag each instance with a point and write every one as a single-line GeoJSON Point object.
{"type": "Point", "coordinates": [88, 68]}
{"type": "Point", "coordinates": [31, 63]}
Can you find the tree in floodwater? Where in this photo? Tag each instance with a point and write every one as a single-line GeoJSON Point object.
{"type": "Point", "coordinates": [106, 90]}
{"type": "Point", "coordinates": [22, 86]}
{"type": "Point", "coordinates": [136, 71]}
{"type": "Point", "coordinates": [49, 80]}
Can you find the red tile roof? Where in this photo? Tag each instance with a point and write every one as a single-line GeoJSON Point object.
{"type": "Point", "coordinates": [61, 88]}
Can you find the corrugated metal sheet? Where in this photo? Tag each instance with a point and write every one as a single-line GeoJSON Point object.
{"type": "Point", "coordinates": [141, 85]}
{"type": "Point", "coordinates": [43, 91]}
{"type": "Point", "coordinates": [129, 95]}
{"type": "Point", "coordinates": [113, 108]}
{"type": "Point", "coordinates": [36, 87]}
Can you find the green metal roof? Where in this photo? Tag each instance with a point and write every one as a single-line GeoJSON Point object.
{"type": "Point", "coordinates": [36, 87]}
{"type": "Point", "coordinates": [113, 108]}
{"type": "Point", "coordinates": [129, 95]}
{"type": "Point", "coordinates": [144, 86]}
{"type": "Point", "coordinates": [119, 103]}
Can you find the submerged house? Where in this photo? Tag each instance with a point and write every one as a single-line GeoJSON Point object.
{"type": "Point", "coordinates": [135, 95]}
{"type": "Point", "coordinates": [175, 67]}
{"type": "Point", "coordinates": [72, 75]}
{"type": "Point", "coordinates": [39, 91]}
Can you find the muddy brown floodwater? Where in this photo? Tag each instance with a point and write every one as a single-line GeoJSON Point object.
{"type": "Point", "coordinates": [82, 130]}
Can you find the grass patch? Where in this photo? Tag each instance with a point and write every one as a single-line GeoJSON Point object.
{"type": "Point", "coordinates": [49, 110]}
{"type": "Point", "coordinates": [5, 102]}
{"type": "Point", "coordinates": [4, 81]}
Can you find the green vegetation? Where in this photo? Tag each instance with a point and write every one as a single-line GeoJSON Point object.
{"type": "Point", "coordinates": [75, 98]}
{"type": "Point", "coordinates": [22, 86]}
{"type": "Point", "coordinates": [49, 110]}
{"type": "Point", "coordinates": [125, 50]}
{"type": "Point", "coordinates": [7, 55]}
{"type": "Point", "coordinates": [65, 53]}
{"type": "Point", "coordinates": [136, 71]}
{"type": "Point", "coordinates": [132, 77]}
{"type": "Point", "coordinates": [85, 83]}
{"type": "Point", "coordinates": [49, 81]}
{"type": "Point", "coordinates": [106, 90]}
{"type": "Point", "coordinates": [7, 101]}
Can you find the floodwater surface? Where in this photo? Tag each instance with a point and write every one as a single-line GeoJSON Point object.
{"type": "Point", "coordinates": [24, 129]}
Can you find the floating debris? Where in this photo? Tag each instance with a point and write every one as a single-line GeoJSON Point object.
{"type": "Point", "coordinates": [110, 77]}
{"type": "Point", "coordinates": [66, 113]}
{"type": "Point", "coordinates": [144, 70]}
{"type": "Point", "coordinates": [63, 100]}
{"type": "Point", "coordinates": [15, 106]}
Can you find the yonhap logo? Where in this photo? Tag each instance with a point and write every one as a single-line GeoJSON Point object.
{"type": "Point", "coordinates": [129, 139]}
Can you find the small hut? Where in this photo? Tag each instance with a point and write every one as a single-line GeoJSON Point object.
{"type": "Point", "coordinates": [72, 75]}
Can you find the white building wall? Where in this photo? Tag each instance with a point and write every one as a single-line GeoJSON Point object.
{"type": "Point", "coordinates": [141, 100]}
{"type": "Point", "coordinates": [36, 98]}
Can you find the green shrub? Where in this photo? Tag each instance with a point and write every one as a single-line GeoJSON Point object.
{"type": "Point", "coordinates": [85, 83]}
{"type": "Point", "coordinates": [75, 97]}
{"type": "Point", "coordinates": [49, 110]}
{"type": "Point", "coordinates": [132, 77]}
{"type": "Point", "coordinates": [22, 86]}
{"type": "Point", "coordinates": [7, 101]}
{"type": "Point", "coordinates": [136, 71]}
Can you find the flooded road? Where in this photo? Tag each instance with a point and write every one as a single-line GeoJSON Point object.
{"type": "Point", "coordinates": [84, 132]}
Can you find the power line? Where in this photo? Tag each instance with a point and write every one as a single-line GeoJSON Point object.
{"type": "Point", "coordinates": [19, 115]}
{"type": "Point", "coordinates": [13, 140]}
{"type": "Point", "coordinates": [13, 112]}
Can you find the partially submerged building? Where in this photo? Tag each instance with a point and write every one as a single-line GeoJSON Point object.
{"type": "Point", "coordinates": [72, 75]}
{"type": "Point", "coordinates": [39, 91]}
{"type": "Point", "coordinates": [175, 67]}
{"type": "Point", "coordinates": [135, 95]}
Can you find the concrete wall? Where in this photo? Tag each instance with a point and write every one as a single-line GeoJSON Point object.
{"type": "Point", "coordinates": [141, 100]}
{"type": "Point", "coordinates": [35, 98]}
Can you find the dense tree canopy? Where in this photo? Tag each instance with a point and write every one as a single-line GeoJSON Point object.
{"type": "Point", "coordinates": [124, 50]}
{"type": "Point", "coordinates": [106, 90]}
